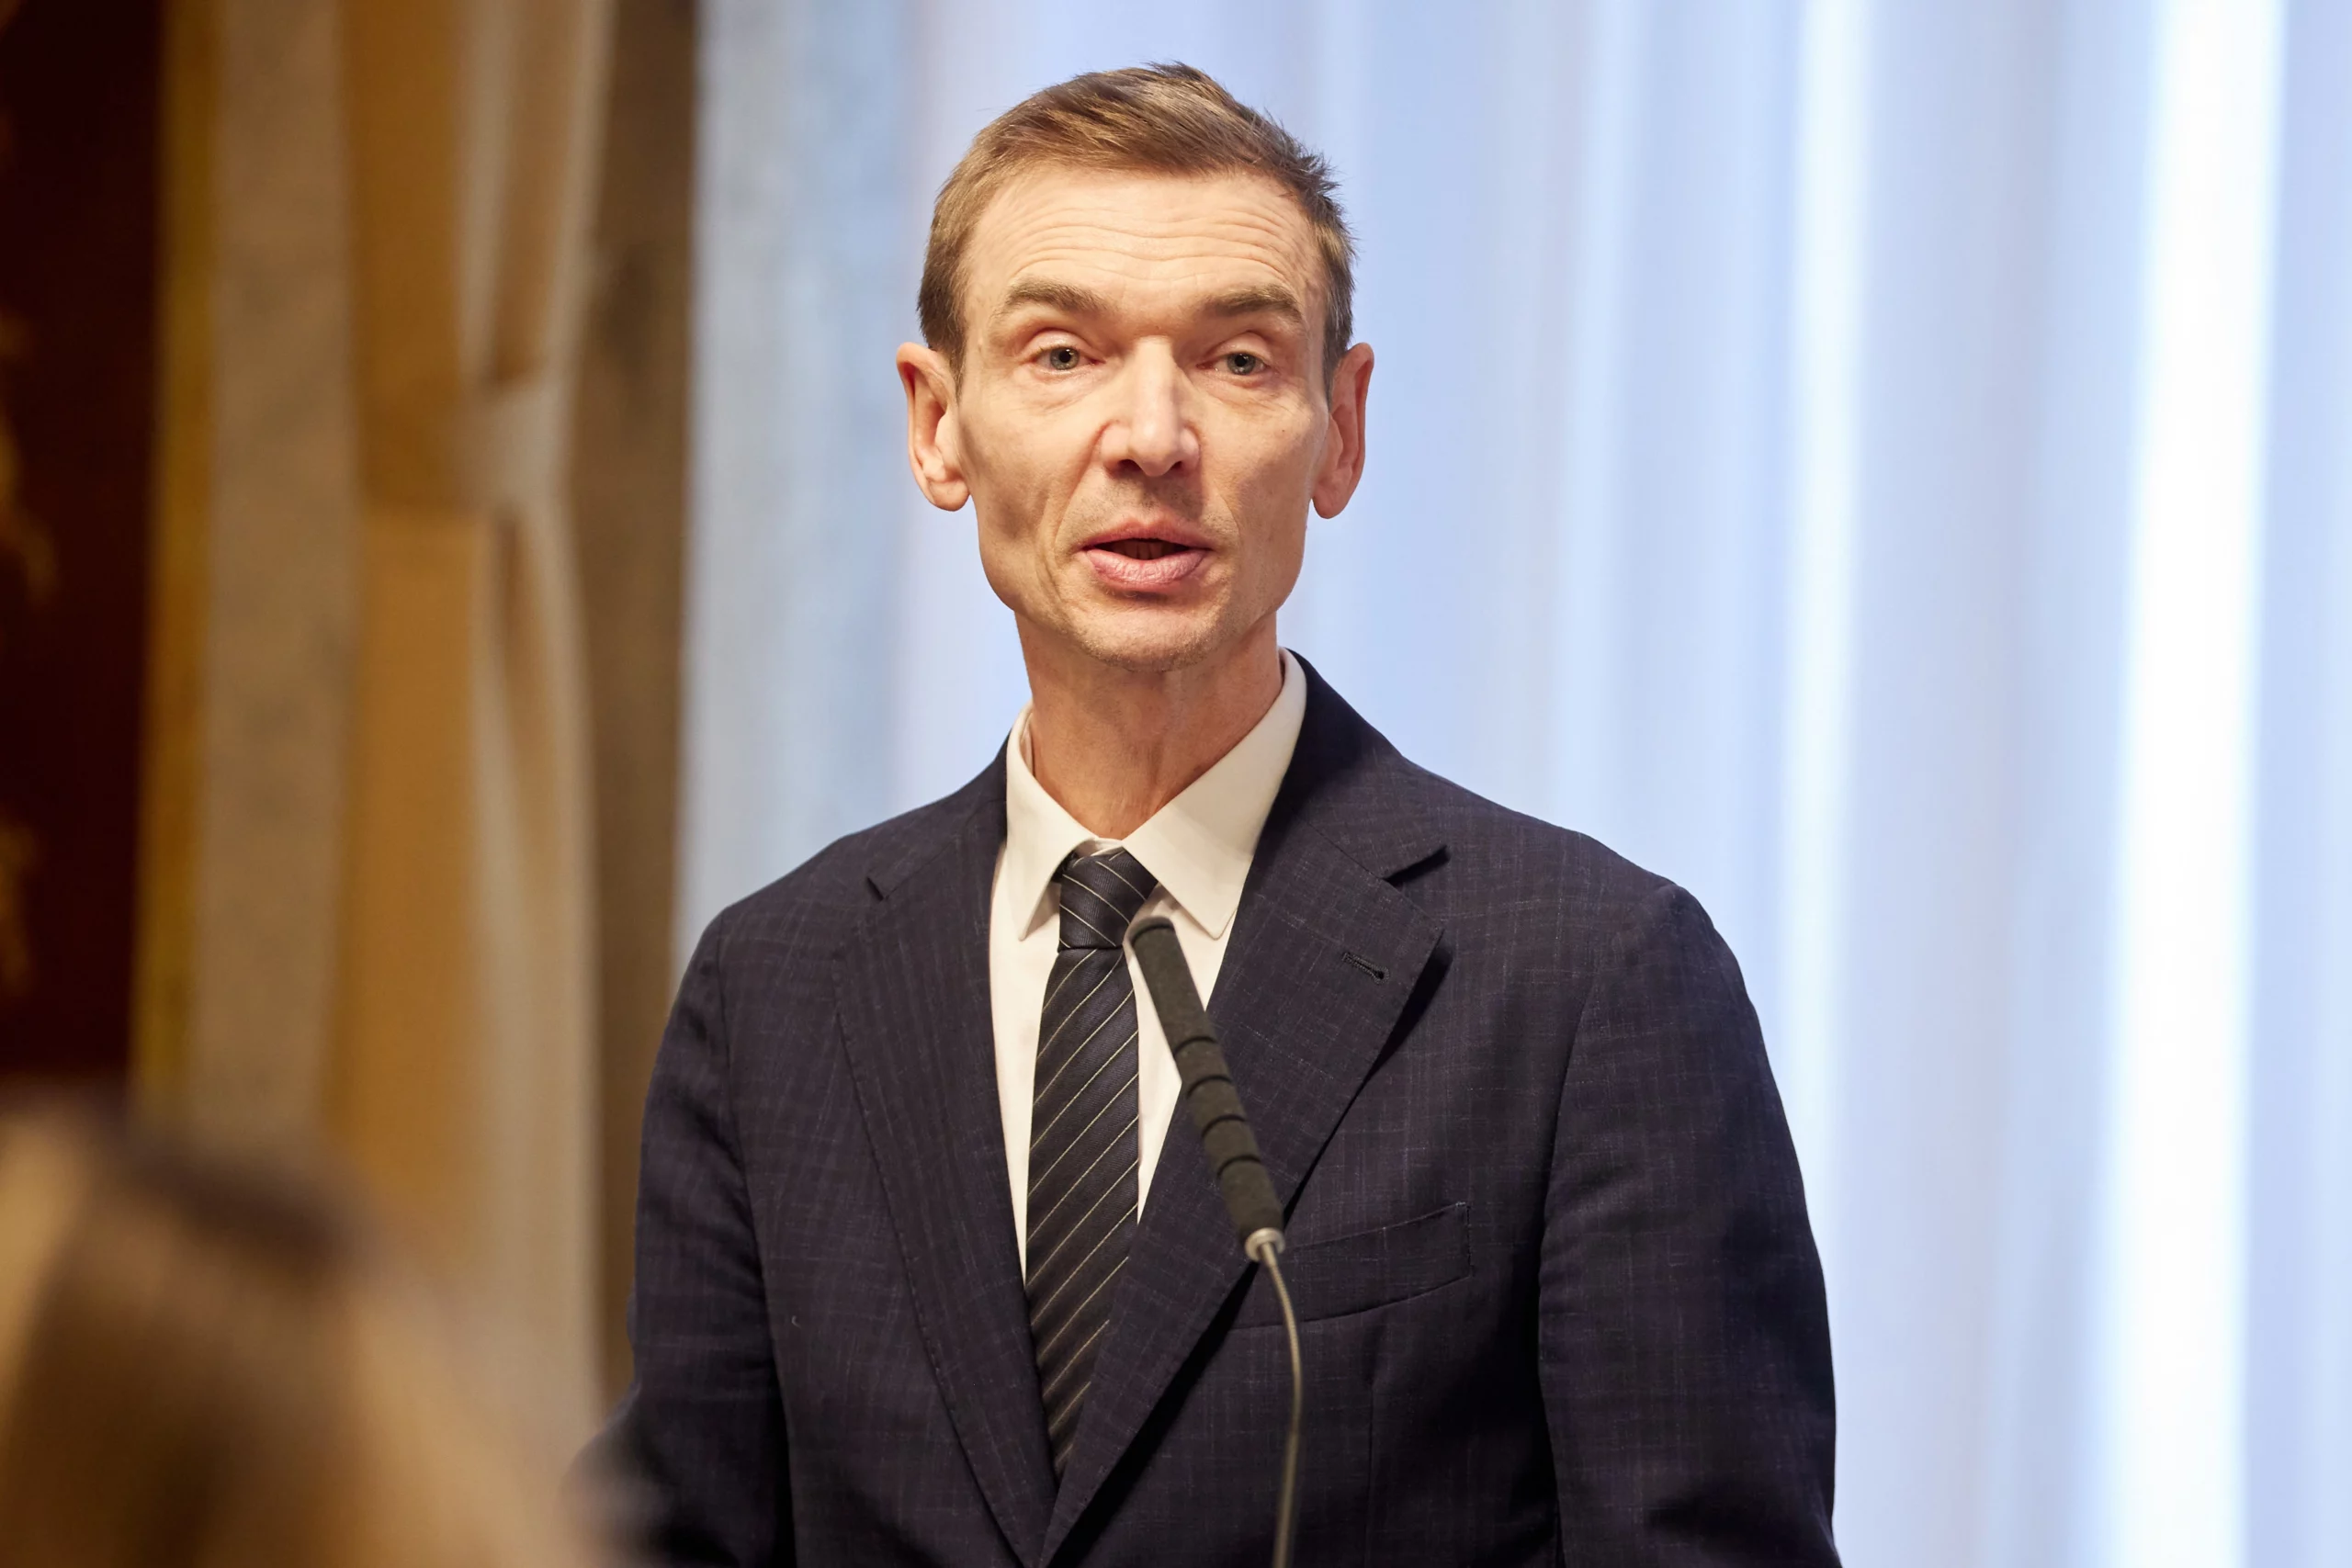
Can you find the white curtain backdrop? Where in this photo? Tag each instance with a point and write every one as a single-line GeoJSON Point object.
{"type": "Point", "coordinates": [1888, 468]}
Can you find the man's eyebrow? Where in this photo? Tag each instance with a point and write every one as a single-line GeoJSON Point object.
{"type": "Point", "coordinates": [1270, 299]}
{"type": "Point", "coordinates": [1066, 297]}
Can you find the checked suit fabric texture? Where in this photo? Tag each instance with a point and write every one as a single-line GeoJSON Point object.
{"type": "Point", "coordinates": [1548, 1237]}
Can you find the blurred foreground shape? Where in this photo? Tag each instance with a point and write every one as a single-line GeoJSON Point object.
{"type": "Point", "coordinates": [207, 1362]}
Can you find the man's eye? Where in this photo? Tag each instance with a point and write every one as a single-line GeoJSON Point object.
{"type": "Point", "coordinates": [1062, 356]}
{"type": "Point", "coordinates": [1241, 363]}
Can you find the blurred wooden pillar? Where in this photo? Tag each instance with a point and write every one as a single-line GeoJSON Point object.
{"type": "Point", "coordinates": [256, 520]}
{"type": "Point", "coordinates": [465, 1083]}
{"type": "Point", "coordinates": [628, 469]}
{"type": "Point", "coordinates": [77, 337]}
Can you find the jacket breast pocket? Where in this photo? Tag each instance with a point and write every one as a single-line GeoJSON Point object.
{"type": "Point", "coordinates": [1369, 1268]}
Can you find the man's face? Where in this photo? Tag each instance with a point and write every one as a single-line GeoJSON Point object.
{"type": "Point", "coordinates": [1142, 418]}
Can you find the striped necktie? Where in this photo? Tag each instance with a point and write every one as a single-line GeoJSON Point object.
{"type": "Point", "coordinates": [1082, 1134]}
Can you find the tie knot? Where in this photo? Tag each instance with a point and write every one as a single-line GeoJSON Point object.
{"type": "Point", "coordinates": [1099, 897]}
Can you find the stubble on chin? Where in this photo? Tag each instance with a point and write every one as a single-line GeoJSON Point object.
{"type": "Point", "coordinates": [1141, 641]}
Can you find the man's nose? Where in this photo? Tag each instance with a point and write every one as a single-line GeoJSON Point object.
{"type": "Point", "coordinates": [1153, 430]}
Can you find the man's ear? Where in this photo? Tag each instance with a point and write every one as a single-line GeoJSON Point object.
{"type": "Point", "coordinates": [931, 446]}
{"type": "Point", "coordinates": [1342, 465]}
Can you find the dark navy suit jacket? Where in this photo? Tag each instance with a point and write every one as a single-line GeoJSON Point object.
{"type": "Point", "coordinates": [1560, 1300]}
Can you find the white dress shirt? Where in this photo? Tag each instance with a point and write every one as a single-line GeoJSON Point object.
{"type": "Point", "coordinates": [1199, 845]}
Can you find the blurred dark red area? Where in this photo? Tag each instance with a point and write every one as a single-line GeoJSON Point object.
{"type": "Point", "coordinates": [80, 96]}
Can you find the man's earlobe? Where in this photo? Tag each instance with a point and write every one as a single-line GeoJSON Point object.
{"type": "Point", "coordinates": [1342, 465]}
{"type": "Point", "coordinates": [932, 450]}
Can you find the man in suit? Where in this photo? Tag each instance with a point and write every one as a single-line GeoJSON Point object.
{"type": "Point", "coordinates": [926, 1276]}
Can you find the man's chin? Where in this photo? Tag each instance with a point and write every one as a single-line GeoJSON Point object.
{"type": "Point", "coordinates": [1149, 642]}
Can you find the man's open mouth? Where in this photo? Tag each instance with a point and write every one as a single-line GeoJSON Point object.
{"type": "Point", "coordinates": [1142, 549]}
{"type": "Point", "coordinates": [1145, 563]}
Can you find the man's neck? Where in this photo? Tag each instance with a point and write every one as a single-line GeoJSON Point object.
{"type": "Point", "coordinates": [1113, 746]}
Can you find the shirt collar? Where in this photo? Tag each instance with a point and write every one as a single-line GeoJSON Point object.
{"type": "Point", "coordinates": [1199, 845]}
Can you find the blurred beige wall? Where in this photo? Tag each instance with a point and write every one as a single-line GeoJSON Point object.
{"type": "Point", "coordinates": [250, 704]}
{"type": "Point", "coordinates": [413, 731]}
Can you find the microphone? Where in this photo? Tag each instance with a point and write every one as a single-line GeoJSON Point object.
{"type": "Point", "coordinates": [1232, 1149]}
{"type": "Point", "coordinates": [1208, 1089]}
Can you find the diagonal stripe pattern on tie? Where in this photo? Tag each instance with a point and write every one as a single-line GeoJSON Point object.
{"type": "Point", "coordinates": [1082, 1134]}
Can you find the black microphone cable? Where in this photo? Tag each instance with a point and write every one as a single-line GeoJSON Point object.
{"type": "Point", "coordinates": [1232, 1151]}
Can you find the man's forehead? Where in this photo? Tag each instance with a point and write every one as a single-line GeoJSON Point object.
{"type": "Point", "coordinates": [1102, 229]}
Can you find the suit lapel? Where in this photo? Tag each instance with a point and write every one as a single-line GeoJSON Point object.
{"type": "Point", "coordinates": [1324, 952]}
{"type": "Point", "coordinates": [913, 996]}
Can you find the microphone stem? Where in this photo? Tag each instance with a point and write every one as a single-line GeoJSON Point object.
{"type": "Point", "coordinates": [1234, 1161]}
{"type": "Point", "coordinates": [1286, 1509]}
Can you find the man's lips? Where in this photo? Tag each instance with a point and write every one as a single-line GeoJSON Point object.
{"type": "Point", "coordinates": [1143, 561]}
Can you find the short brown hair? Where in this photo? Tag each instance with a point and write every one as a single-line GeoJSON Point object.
{"type": "Point", "coordinates": [205, 1362]}
{"type": "Point", "coordinates": [1166, 119]}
